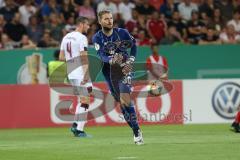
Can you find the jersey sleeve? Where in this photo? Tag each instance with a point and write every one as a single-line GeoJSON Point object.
{"type": "Point", "coordinates": [83, 44]}
{"type": "Point", "coordinates": [128, 36]}
{"type": "Point", "coordinates": [99, 48]}
{"type": "Point", "coordinates": [148, 64]}
{"type": "Point", "coordinates": [165, 63]}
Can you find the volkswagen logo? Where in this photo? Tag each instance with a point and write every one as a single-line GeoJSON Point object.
{"type": "Point", "coordinates": [226, 99]}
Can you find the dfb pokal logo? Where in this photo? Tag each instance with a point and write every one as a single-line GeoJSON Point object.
{"type": "Point", "coordinates": [225, 99]}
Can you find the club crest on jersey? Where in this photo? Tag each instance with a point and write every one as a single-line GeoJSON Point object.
{"type": "Point", "coordinates": [97, 46]}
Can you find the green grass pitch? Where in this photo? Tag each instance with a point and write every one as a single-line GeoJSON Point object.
{"type": "Point", "coordinates": [162, 142]}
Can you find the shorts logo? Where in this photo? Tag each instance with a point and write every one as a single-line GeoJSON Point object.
{"type": "Point", "coordinates": [225, 99]}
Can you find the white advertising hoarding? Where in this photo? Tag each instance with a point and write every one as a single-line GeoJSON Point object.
{"type": "Point", "coordinates": [211, 101]}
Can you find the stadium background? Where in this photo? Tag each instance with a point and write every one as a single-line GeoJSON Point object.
{"type": "Point", "coordinates": [200, 75]}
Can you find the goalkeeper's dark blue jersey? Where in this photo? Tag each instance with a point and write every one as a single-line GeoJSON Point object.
{"type": "Point", "coordinates": [119, 42]}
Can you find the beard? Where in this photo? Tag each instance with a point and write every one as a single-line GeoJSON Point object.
{"type": "Point", "coordinates": [107, 29]}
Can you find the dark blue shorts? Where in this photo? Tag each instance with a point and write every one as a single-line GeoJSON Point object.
{"type": "Point", "coordinates": [116, 87]}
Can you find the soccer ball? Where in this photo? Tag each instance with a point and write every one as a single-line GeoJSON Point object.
{"type": "Point", "coordinates": [156, 88]}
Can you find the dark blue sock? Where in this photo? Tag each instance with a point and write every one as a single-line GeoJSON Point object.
{"type": "Point", "coordinates": [132, 118]}
{"type": "Point", "coordinates": [126, 116]}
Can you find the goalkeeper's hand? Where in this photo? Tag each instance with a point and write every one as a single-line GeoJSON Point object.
{"type": "Point", "coordinates": [116, 59]}
{"type": "Point", "coordinates": [127, 68]}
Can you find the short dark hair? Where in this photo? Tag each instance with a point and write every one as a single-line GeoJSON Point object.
{"type": "Point", "coordinates": [81, 20]}
{"type": "Point", "coordinates": [101, 13]}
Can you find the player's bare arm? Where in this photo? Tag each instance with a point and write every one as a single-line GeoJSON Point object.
{"type": "Point", "coordinates": [62, 56]}
{"type": "Point", "coordinates": [85, 66]}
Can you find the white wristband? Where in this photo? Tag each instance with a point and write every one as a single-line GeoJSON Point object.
{"type": "Point", "coordinates": [132, 58]}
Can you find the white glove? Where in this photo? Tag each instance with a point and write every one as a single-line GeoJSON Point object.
{"type": "Point", "coordinates": [116, 59]}
{"type": "Point", "coordinates": [128, 65]}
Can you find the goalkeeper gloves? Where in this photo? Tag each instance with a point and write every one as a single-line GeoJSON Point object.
{"type": "Point", "coordinates": [116, 59]}
{"type": "Point", "coordinates": [128, 66]}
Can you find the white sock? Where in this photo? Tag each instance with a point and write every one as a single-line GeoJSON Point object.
{"type": "Point", "coordinates": [80, 117]}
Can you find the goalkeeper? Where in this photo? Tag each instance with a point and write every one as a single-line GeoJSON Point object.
{"type": "Point", "coordinates": [111, 45]}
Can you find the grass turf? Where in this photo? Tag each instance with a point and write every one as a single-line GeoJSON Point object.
{"type": "Point", "coordinates": [162, 142]}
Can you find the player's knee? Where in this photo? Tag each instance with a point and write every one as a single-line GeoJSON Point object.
{"type": "Point", "coordinates": [125, 101]}
{"type": "Point", "coordinates": [116, 97]}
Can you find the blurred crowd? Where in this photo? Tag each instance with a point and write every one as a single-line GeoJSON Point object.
{"type": "Point", "coordinates": [43, 23]}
